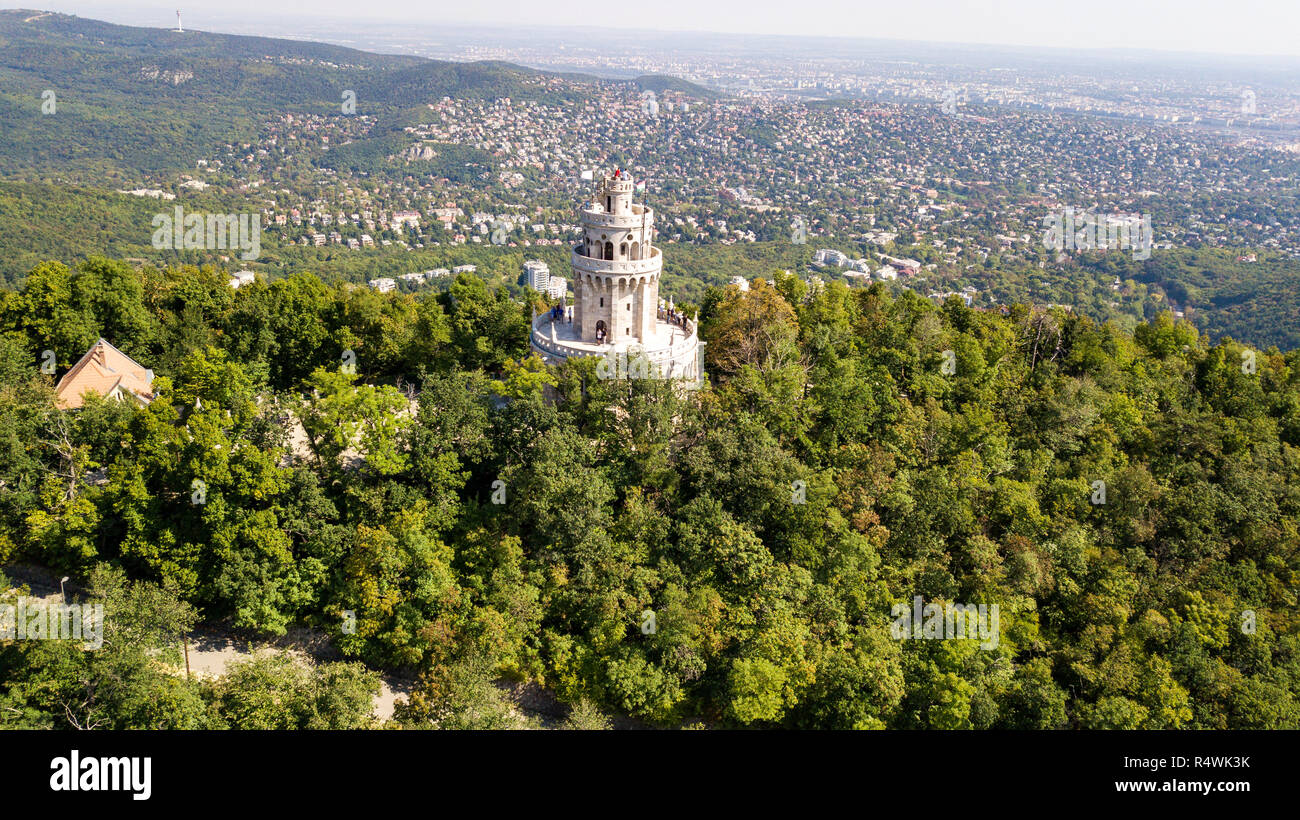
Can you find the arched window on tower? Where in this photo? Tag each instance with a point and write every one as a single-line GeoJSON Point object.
{"type": "Point", "coordinates": [622, 251]}
{"type": "Point", "coordinates": [636, 250]}
{"type": "Point", "coordinates": [609, 250]}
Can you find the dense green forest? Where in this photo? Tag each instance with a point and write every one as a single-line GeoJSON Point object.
{"type": "Point", "coordinates": [485, 516]}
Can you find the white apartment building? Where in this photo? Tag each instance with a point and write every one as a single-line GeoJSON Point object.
{"type": "Point", "coordinates": [557, 287]}
{"type": "Point", "coordinates": [537, 275]}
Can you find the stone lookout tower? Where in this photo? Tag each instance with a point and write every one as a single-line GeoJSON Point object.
{"type": "Point", "coordinates": [616, 305]}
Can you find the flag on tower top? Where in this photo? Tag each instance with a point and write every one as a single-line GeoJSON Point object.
{"type": "Point", "coordinates": [640, 186]}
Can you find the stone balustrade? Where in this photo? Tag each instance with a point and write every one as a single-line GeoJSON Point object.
{"type": "Point", "coordinates": [607, 220]}
{"type": "Point", "coordinates": [631, 267]}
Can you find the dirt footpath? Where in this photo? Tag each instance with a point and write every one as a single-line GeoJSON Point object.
{"type": "Point", "coordinates": [212, 650]}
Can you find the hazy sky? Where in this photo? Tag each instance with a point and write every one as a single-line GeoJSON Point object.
{"type": "Point", "coordinates": [1212, 26]}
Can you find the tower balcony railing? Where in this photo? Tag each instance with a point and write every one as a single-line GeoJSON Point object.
{"type": "Point", "coordinates": [676, 317]}
{"type": "Point", "coordinates": [582, 262]}
{"type": "Point", "coordinates": [639, 216]}
{"type": "Point", "coordinates": [541, 338]}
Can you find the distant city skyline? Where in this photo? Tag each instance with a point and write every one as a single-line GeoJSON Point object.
{"type": "Point", "coordinates": [1216, 27]}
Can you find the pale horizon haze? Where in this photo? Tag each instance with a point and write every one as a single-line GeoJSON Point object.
{"type": "Point", "coordinates": [1243, 27]}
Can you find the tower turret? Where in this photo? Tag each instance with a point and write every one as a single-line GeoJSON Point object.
{"type": "Point", "coordinates": [616, 267]}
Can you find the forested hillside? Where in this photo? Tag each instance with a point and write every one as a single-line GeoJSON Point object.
{"type": "Point", "coordinates": [139, 103]}
{"type": "Point", "coordinates": [481, 515]}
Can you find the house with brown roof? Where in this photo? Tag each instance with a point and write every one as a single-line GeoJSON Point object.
{"type": "Point", "coordinates": [104, 371]}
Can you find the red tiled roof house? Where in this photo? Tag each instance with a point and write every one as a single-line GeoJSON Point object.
{"type": "Point", "coordinates": [104, 371]}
